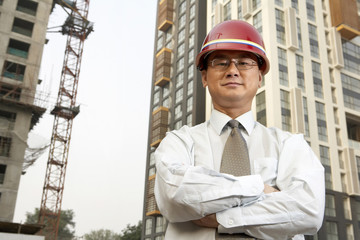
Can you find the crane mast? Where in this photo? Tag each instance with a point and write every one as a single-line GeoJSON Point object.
{"type": "Point", "coordinates": [77, 28]}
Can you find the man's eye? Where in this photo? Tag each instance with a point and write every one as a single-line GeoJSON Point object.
{"type": "Point", "coordinates": [221, 63]}
{"type": "Point", "coordinates": [244, 63]}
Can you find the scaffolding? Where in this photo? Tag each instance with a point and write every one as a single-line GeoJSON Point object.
{"type": "Point", "coordinates": [77, 28]}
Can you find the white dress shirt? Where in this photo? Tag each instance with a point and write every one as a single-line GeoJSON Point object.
{"type": "Point", "coordinates": [189, 186]}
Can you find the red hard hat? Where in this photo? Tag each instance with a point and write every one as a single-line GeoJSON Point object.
{"type": "Point", "coordinates": [234, 35]}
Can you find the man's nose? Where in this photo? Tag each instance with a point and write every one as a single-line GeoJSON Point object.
{"type": "Point", "coordinates": [232, 69]}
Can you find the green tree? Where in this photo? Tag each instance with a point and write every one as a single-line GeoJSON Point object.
{"type": "Point", "coordinates": [131, 232]}
{"type": "Point", "coordinates": [66, 225]}
{"type": "Point", "coordinates": [102, 234]}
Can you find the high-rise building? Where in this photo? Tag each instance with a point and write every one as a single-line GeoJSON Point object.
{"type": "Point", "coordinates": [312, 88]}
{"type": "Point", "coordinates": [23, 25]}
{"type": "Point", "coordinates": [178, 97]}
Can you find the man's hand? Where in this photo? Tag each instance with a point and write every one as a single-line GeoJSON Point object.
{"type": "Point", "coordinates": [207, 221]}
{"type": "Point", "coordinates": [269, 189]}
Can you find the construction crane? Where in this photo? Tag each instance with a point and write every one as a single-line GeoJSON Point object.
{"type": "Point", "coordinates": [77, 28]}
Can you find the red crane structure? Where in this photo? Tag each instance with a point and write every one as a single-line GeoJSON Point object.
{"type": "Point", "coordinates": [77, 28]}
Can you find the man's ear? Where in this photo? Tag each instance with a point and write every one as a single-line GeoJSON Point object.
{"type": "Point", "coordinates": [260, 79]}
{"type": "Point", "coordinates": [203, 78]}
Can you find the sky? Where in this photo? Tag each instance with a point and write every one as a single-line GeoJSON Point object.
{"type": "Point", "coordinates": [104, 183]}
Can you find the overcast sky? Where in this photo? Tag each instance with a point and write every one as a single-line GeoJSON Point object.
{"type": "Point", "coordinates": [105, 176]}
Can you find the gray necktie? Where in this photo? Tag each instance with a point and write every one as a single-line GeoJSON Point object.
{"type": "Point", "coordinates": [235, 161]}
{"type": "Point", "coordinates": [235, 158]}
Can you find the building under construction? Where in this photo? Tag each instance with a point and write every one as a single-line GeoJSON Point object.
{"type": "Point", "coordinates": [23, 26]}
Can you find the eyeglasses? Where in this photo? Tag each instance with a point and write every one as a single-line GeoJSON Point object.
{"type": "Point", "coordinates": [222, 64]}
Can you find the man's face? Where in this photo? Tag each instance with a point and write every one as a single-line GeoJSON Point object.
{"type": "Point", "coordinates": [229, 87]}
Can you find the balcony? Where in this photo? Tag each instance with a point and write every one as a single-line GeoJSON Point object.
{"type": "Point", "coordinates": [165, 14]}
{"type": "Point", "coordinates": [163, 67]}
{"type": "Point", "coordinates": [344, 17]}
{"type": "Point", "coordinates": [159, 125]}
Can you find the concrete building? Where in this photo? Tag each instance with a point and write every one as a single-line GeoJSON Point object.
{"type": "Point", "coordinates": [312, 88]}
{"type": "Point", "coordinates": [23, 25]}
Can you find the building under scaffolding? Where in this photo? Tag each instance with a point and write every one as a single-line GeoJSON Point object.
{"type": "Point", "coordinates": [23, 26]}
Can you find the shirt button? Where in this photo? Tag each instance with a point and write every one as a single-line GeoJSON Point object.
{"type": "Point", "coordinates": [231, 222]}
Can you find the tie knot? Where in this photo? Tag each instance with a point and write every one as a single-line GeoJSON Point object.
{"type": "Point", "coordinates": [233, 123]}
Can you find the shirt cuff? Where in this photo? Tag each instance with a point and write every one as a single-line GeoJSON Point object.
{"type": "Point", "coordinates": [222, 229]}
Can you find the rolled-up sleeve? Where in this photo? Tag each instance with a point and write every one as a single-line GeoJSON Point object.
{"type": "Point", "coordinates": [186, 192]}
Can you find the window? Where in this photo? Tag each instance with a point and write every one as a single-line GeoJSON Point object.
{"type": "Point", "coordinates": [179, 79]}
{"type": "Point", "coordinates": [261, 108]}
{"type": "Point", "coordinates": [332, 230]}
{"type": "Point", "coordinates": [192, 26]}
{"type": "Point", "coordinates": [240, 10]}
{"type": "Point", "coordinates": [180, 64]}
{"type": "Point", "coordinates": [148, 226]}
{"type": "Point", "coordinates": [191, 40]}
{"type": "Point", "coordinates": [178, 125]}
{"type": "Point", "coordinates": [182, 7]}
{"type": "Point", "coordinates": [351, 54]}
{"type": "Point", "coordinates": [285, 110]}
{"type": "Point", "coordinates": [192, 11]}
{"type": "Point", "coordinates": [295, 4]}
{"type": "Point", "coordinates": [160, 224]}
{"type": "Point", "coordinates": [318, 88]}
{"type": "Point", "coordinates": [190, 87]}
{"type": "Point", "coordinates": [191, 71]}
{"type": "Point", "coordinates": [283, 70]}
{"type": "Point", "coordinates": [324, 155]}
{"type": "Point", "coordinates": [351, 92]}
{"type": "Point", "coordinates": [2, 173]}
{"type": "Point", "coordinates": [181, 36]}
{"type": "Point", "coordinates": [23, 27]}
{"type": "Point", "coordinates": [358, 166]}
{"type": "Point", "coordinates": [321, 121]}
{"type": "Point", "coordinates": [213, 5]}
{"type": "Point", "coordinates": [179, 95]}
{"type": "Point", "coordinates": [280, 27]}
{"type": "Point", "coordinates": [181, 49]}
{"type": "Point", "coordinates": [7, 119]}
{"type": "Point", "coordinates": [189, 120]}
{"type": "Point", "coordinates": [300, 72]}
{"type": "Point", "coordinates": [167, 102]}
{"type": "Point", "coordinates": [330, 206]}
{"type": "Point", "coordinates": [279, 3]}
{"type": "Point", "coordinates": [182, 21]}
{"type": "Point", "coordinates": [298, 25]}
{"type": "Point", "coordinates": [191, 55]}
{"type": "Point", "coordinates": [160, 43]}
{"type": "Point", "coordinates": [306, 117]}
{"type": "Point", "coordinates": [310, 9]}
{"type": "Point", "coordinates": [18, 48]}
{"type": "Point", "coordinates": [156, 97]}
{"type": "Point", "coordinates": [189, 104]}
{"type": "Point", "coordinates": [178, 111]}
{"type": "Point", "coordinates": [27, 6]}
{"type": "Point", "coordinates": [257, 22]}
{"type": "Point", "coordinates": [314, 45]}
{"type": "Point", "coordinates": [227, 11]}
{"type": "Point", "coordinates": [13, 70]}
{"type": "Point", "coordinates": [255, 4]}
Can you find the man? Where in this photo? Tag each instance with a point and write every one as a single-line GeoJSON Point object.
{"type": "Point", "coordinates": [282, 194]}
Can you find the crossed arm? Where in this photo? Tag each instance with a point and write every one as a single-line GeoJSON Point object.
{"type": "Point", "coordinates": [210, 221]}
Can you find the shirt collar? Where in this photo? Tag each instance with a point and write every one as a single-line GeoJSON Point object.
{"type": "Point", "coordinates": [218, 120]}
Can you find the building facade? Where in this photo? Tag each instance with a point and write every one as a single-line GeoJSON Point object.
{"type": "Point", "coordinates": [23, 25]}
{"type": "Point", "coordinates": [312, 88]}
